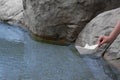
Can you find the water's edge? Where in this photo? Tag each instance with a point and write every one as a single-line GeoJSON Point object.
{"type": "Point", "coordinates": [22, 58]}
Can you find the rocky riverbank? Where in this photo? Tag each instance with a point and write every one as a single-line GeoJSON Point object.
{"type": "Point", "coordinates": [66, 21]}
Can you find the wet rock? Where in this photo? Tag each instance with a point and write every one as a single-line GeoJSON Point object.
{"type": "Point", "coordinates": [52, 18]}
{"type": "Point", "coordinates": [11, 11]}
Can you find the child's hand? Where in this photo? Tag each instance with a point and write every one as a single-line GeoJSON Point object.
{"type": "Point", "coordinates": [103, 39]}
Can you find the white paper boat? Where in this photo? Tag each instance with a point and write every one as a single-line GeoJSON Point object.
{"type": "Point", "coordinates": [87, 49]}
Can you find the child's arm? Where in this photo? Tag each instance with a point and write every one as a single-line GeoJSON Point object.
{"type": "Point", "coordinates": [107, 39]}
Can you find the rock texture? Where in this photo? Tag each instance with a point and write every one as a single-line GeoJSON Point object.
{"type": "Point", "coordinates": [62, 19]}
{"type": "Point", "coordinates": [103, 24]}
{"type": "Point", "coordinates": [100, 25]}
{"type": "Point", "coordinates": [11, 11]}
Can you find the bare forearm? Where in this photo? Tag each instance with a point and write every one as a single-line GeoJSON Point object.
{"type": "Point", "coordinates": [116, 31]}
{"type": "Point", "coordinates": [107, 39]}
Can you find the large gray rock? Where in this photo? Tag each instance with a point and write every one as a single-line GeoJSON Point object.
{"type": "Point", "coordinates": [11, 11]}
{"type": "Point", "coordinates": [62, 19]}
{"type": "Point", "coordinates": [103, 24]}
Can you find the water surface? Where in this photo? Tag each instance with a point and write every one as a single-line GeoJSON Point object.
{"type": "Point", "coordinates": [22, 58]}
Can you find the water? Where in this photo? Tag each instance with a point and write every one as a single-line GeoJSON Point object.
{"type": "Point", "coordinates": [22, 58]}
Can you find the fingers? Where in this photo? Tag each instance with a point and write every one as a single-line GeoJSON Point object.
{"type": "Point", "coordinates": [100, 41]}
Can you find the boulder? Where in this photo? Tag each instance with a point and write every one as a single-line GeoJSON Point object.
{"type": "Point", "coordinates": [62, 19]}
{"type": "Point", "coordinates": [103, 24]}
{"type": "Point", "coordinates": [11, 11]}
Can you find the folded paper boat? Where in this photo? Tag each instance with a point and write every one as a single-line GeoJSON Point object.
{"type": "Point", "coordinates": [87, 49]}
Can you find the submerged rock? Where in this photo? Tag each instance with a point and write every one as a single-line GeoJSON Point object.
{"type": "Point", "coordinates": [62, 19]}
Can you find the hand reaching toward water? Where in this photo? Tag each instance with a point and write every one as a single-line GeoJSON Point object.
{"type": "Point", "coordinates": [104, 39]}
{"type": "Point", "coordinates": [113, 35]}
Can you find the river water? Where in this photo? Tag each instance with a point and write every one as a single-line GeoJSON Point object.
{"type": "Point", "coordinates": [22, 58]}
